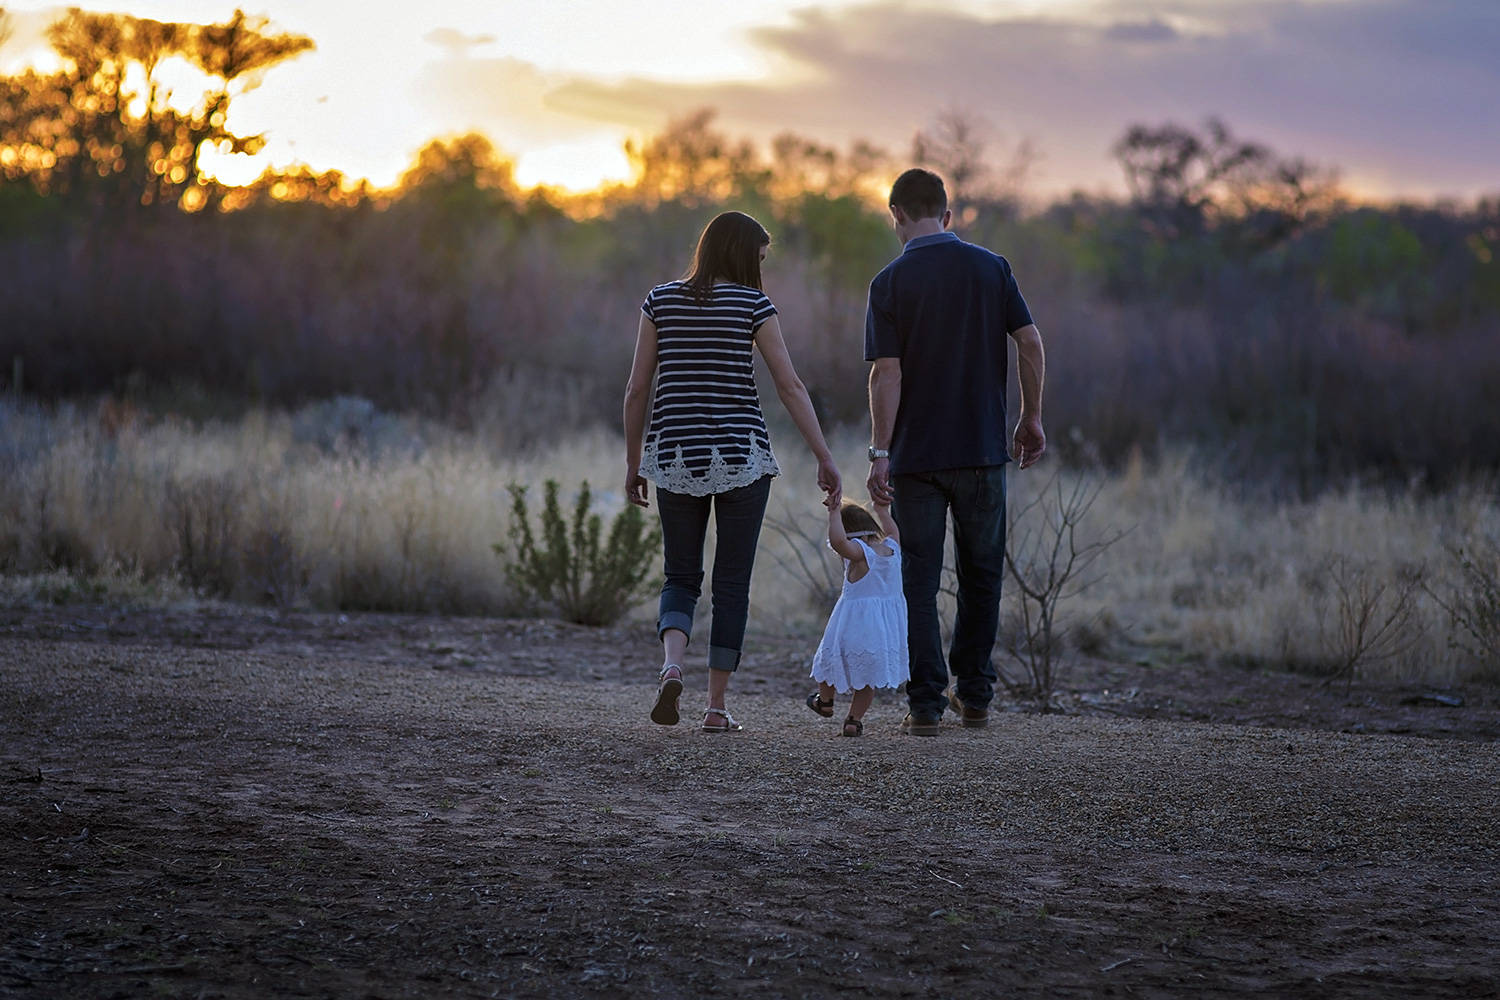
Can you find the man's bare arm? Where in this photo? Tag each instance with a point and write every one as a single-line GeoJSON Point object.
{"type": "Point", "coordinates": [885, 400]}
{"type": "Point", "coordinates": [1031, 369]}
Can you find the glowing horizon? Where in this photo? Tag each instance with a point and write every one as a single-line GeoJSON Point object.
{"type": "Point", "coordinates": [1385, 91]}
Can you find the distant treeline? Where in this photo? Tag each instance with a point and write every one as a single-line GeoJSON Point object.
{"type": "Point", "coordinates": [1234, 301]}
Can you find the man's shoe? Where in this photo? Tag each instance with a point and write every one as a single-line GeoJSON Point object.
{"type": "Point", "coordinates": [921, 725]}
{"type": "Point", "coordinates": [971, 718]}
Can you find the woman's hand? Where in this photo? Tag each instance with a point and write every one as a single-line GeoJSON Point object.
{"type": "Point", "coordinates": [635, 487]}
{"type": "Point", "coordinates": [829, 481]}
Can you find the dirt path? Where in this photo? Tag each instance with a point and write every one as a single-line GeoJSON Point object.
{"type": "Point", "coordinates": [317, 811]}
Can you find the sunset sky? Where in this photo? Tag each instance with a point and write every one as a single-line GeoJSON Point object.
{"type": "Point", "coordinates": [1402, 95]}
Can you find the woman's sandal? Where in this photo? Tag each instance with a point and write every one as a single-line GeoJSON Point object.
{"type": "Point", "coordinates": [856, 725]}
{"type": "Point", "coordinates": [664, 712]}
{"type": "Point", "coordinates": [728, 726]}
{"type": "Point", "coordinates": [817, 704]}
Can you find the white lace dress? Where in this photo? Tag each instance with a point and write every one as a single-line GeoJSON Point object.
{"type": "Point", "coordinates": [865, 642]}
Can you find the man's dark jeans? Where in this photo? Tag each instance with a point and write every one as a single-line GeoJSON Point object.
{"type": "Point", "coordinates": [976, 499]}
{"type": "Point", "coordinates": [684, 525]}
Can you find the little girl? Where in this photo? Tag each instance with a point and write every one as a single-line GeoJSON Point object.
{"type": "Point", "coordinates": [864, 646]}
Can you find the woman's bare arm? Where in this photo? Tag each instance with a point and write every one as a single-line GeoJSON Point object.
{"type": "Point", "coordinates": [637, 400]}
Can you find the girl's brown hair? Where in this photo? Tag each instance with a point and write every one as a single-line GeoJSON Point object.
{"type": "Point", "coordinates": [856, 518]}
{"type": "Point", "coordinates": [728, 250]}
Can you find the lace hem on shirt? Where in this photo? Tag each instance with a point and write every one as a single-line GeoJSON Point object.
{"type": "Point", "coordinates": [720, 477]}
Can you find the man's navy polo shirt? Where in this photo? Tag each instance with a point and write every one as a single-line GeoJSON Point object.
{"type": "Point", "coordinates": [945, 308]}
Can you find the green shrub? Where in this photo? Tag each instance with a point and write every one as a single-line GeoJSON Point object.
{"type": "Point", "coordinates": [570, 572]}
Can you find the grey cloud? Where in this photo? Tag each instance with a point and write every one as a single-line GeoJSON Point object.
{"type": "Point", "coordinates": [1141, 31]}
{"type": "Point", "coordinates": [1400, 93]}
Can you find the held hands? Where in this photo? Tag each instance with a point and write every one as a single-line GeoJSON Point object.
{"type": "Point", "coordinates": [1030, 441]}
{"type": "Point", "coordinates": [830, 482]}
{"type": "Point", "coordinates": [879, 482]}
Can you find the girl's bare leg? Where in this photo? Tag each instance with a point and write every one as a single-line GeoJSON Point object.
{"type": "Point", "coordinates": [861, 702]}
{"type": "Point", "coordinates": [826, 693]}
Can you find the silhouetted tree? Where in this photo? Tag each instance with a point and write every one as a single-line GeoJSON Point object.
{"type": "Point", "coordinates": [105, 130]}
{"type": "Point", "coordinates": [1182, 181]}
{"type": "Point", "coordinates": [959, 146]}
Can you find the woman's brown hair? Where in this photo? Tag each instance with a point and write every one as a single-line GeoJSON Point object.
{"type": "Point", "coordinates": [857, 519]}
{"type": "Point", "coordinates": [728, 250]}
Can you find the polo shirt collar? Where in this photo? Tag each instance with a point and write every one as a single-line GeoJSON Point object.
{"type": "Point", "coordinates": [917, 242]}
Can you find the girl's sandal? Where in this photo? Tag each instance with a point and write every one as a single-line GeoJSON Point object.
{"type": "Point", "coordinates": [665, 712]}
{"type": "Point", "coordinates": [853, 727]}
{"type": "Point", "coordinates": [817, 704]}
{"type": "Point", "coordinates": [728, 725]}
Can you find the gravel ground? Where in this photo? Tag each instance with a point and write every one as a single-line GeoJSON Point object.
{"type": "Point", "coordinates": [200, 808]}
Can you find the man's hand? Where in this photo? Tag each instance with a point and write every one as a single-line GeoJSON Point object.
{"type": "Point", "coordinates": [635, 487]}
{"type": "Point", "coordinates": [880, 481]}
{"type": "Point", "coordinates": [1030, 441]}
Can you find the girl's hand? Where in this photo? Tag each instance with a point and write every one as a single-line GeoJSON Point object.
{"type": "Point", "coordinates": [887, 523]}
{"type": "Point", "coordinates": [635, 487]}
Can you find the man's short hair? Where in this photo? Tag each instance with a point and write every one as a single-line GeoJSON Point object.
{"type": "Point", "coordinates": [920, 194]}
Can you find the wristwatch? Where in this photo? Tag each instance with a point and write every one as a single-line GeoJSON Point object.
{"type": "Point", "coordinates": [878, 453]}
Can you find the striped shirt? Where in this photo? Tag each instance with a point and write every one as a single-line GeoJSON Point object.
{"type": "Point", "coordinates": [707, 433]}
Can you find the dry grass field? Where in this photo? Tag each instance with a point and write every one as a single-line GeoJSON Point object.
{"type": "Point", "coordinates": [340, 507]}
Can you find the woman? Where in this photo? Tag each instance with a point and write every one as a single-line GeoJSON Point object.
{"type": "Point", "coordinates": [707, 447]}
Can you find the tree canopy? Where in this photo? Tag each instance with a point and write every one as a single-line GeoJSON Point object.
{"type": "Point", "coordinates": [104, 130]}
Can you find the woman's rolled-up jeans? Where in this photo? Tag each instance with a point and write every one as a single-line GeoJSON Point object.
{"type": "Point", "coordinates": [684, 525]}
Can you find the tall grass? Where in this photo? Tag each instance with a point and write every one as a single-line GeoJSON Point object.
{"type": "Point", "coordinates": [341, 507]}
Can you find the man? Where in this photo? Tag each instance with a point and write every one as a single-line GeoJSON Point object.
{"type": "Point", "coordinates": [935, 330]}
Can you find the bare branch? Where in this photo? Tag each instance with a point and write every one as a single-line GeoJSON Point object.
{"type": "Point", "coordinates": [1374, 619]}
{"type": "Point", "coordinates": [1045, 559]}
{"type": "Point", "coordinates": [809, 565]}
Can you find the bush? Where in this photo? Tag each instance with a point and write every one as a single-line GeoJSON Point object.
{"type": "Point", "coordinates": [571, 573]}
{"type": "Point", "coordinates": [1049, 564]}
{"type": "Point", "coordinates": [203, 515]}
{"type": "Point", "coordinates": [1475, 604]}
